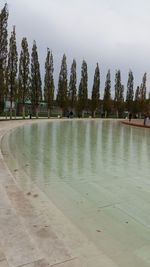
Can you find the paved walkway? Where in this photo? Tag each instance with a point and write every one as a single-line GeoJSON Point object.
{"type": "Point", "coordinates": [33, 232]}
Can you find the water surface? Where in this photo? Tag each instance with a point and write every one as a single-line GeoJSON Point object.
{"type": "Point", "coordinates": [97, 173]}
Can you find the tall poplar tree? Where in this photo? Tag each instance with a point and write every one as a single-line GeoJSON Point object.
{"type": "Point", "coordinates": [137, 100]}
{"type": "Point", "coordinates": [95, 91]}
{"type": "Point", "coordinates": [72, 94]}
{"type": "Point", "coordinates": [12, 70]}
{"type": "Point", "coordinates": [119, 91]}
{"type": "Point", "coordinates": [49, 81]}
{"type": "Point", "coordinates": [143, 88]}
{"type": "Point", "coordinates": [130, 91]}
{"type": "Point", "coordinates": [23, 78]}
{"type": "Point", "coordinates": [107, 94]}
{"type": "Point", "coordinates": [62, 94]}
{"type": "Point", "coordinates": [3, 49]}
{"type": "Point", "coordinates": [36, 84]}
{"type": "Point", "coordinates": [143, 93]}
{"type": "Point", "coordinates": [137, 94]}
{"type": "Point", "coordinates": [83, 88]}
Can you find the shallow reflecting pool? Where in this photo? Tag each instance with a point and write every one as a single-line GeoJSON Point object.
{"type": "Point", "coordinates": [97, 173]}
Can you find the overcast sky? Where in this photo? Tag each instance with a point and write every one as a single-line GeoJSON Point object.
{"type": "Point", "coordinates": [114, 33]}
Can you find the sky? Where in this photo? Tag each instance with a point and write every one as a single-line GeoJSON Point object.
{"type": "Point", "coordinates": [114, 33]}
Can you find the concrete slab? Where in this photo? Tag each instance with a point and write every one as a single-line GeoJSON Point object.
{"type": "Point", "coordinates": [18, 246]}
{"type": "Point", "coordinates": [3, 263]}
{"type": "Point", "coordinates": [40, 263]}
{"type": "Point", "coordinates": [2, 256]}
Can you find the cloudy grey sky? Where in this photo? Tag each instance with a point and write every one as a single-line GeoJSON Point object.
{"type": "Point", "coordinates": [114, 33]}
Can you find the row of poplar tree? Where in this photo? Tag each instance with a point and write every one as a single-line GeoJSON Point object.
{"type": "Point", "coordinates": [22, 82]}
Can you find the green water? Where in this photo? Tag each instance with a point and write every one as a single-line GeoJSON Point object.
{"type": "Point", "coordinates": [97, 173]}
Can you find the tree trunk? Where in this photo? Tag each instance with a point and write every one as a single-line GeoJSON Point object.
{"type": "Point", "coordinates": [6, 115]}
{"type": "Point", "coordinates": [15, 113]}
{"type": "Point", "coordinates": [37, 113]}
{"type": "Point", "coordinates": [48, 113]}
{"type": "Point", "coordinates": [105, 114]}
{"type": "Point", "coordinates": [11, 110]}
{"type": "Point", "coordinates": [23, 112]}
{"type": "Point", "coordinates": [117, 115]}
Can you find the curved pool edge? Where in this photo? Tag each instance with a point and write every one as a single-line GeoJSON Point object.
{"type": "Point", "coordinates": [32, 225]}
{"type": "Point", "coordinates": [10, 218]}
{"type": "Point", "coordinates": [136, 123]}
